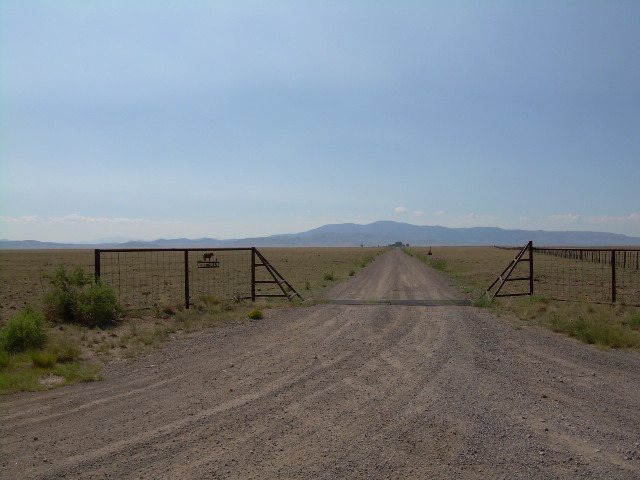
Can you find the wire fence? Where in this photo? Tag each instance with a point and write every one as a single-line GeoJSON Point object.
{"type": "Point", "coordinates": [155, 278]}
{"type": "Point", "coordinates": [592, 275]}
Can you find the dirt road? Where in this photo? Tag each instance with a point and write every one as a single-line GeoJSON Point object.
{"type": "Point", "coordinates": [344, 392]}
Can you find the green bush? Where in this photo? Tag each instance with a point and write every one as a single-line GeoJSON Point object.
{"type": "Point", "coordinates": [255, 315]}
{"type": "Point", "coordinates": [99, 305]}
{"type": "Point", "coordinates": [63, 303]}
{"type": "Point", "coordinates": [25, 331]}
{"type": "Point", "coordinates": [75, 298]}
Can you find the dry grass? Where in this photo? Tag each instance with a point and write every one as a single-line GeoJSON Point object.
{"type": "Point", "coordinates": [22, 274]}
{"type": "Point", "coordinates": [475, 268]}
{"type": "Point", "coordinates": [79, 351]}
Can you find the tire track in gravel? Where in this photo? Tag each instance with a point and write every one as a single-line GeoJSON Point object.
{"type": "Point", "coordinates": [340, 391]}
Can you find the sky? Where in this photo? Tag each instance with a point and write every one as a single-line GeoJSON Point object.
{"type": "Point", "coordinates": [234, 119]}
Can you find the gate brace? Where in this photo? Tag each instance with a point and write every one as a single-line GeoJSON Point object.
{"type": "Point", "coordinates": [504, 276]}
{"type": "Point", "coordinates": [277, 279]}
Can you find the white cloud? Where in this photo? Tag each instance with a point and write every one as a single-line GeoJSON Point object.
{"type": "Point", "coordinates": [631, 219]}
{"type": "Point", "coordinates": [420, 213]}
{"type": "Point", "coordinates": [25, 219]}
{"type": "Point", "coordinates": [565, 218]}
{"type": "Point", "coordinates": [75, 218]}
{"type": "Point", "coordinates": [401, 209]}
{"type": "Point", "coordinates": [474, 220]}
{"type": "Point", "coordinates": [440, 213]}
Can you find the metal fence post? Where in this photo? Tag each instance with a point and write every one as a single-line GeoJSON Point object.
{"type": "Point", "coordinates": [613, 276]}
{"type": "Point", "coordinates": [186, 279]}
{"type": "Point", "coordinates": [96, 264]}
{"type": "Point", "coordinates": [530, 267]}
{"type": "Point", "coordinates": [253, 274]}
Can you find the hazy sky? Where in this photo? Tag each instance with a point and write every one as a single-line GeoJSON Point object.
{"type": "Point", "coordinates": [232, 119]}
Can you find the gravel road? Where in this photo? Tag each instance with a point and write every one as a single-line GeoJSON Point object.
{"type": "Point", "coordinates": [344, 392]}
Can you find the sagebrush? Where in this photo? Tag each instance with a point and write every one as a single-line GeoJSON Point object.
{"type": "Point", "coordinates": [27, 330]}
{"type": "Point", "coordinates": [77, 298]}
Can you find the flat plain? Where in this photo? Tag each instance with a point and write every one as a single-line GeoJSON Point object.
{"type": "Point", "coordinates": [23, 282]}
{"type": "Point", "coordinates": [344, 391]}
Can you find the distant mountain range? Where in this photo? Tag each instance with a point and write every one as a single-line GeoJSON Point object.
{"type": "Point", "coordinates": [373, 234]}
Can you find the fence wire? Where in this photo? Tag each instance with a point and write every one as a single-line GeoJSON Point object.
{"type": "Point", "coordinates": [223, 276]}
{"type": "Point", "coordinates": [592, 275]}
{"type": "Point", "coordinates": [145, 278]}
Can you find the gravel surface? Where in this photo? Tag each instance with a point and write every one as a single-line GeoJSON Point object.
{"type": "Point", "coordinates": [344, 392]}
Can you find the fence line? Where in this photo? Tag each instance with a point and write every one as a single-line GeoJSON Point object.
{"type": "Point", "coordinates": [599, 275]}
{"type": "Point", "coordinates": [590, 274]}
{"type": "Point", "coordinates": [155, 278]}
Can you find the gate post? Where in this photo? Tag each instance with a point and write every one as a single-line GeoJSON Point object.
{"type": "Point", "coordinates": [96, 264]}
{"type": "Point", "coordinates": [530, 267]}
{"type": "Point", "coordinates": [613, 276]}
{"type": "Point", "coordinates": [186, 279]}
{"type": "Point", "coordinates": [253, 274]}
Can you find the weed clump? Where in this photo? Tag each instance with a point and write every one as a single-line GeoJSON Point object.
{"type": "Point", "coordinates": [43, 359]}
{"type": "Point", "coordinates": [65, 349]}
{"type": "Point", "coordinates": [25, 331]}
{"type": "Point", "coordinates": [633, 321]}
{"type": "Point", "coordinates": [483, 301]}
{"type": "Point", "coordinates": [75, 298]}
{"type": "Point", "coordinates": [255, 315]}
{"type": "Point", "coordinates": [595, 331]}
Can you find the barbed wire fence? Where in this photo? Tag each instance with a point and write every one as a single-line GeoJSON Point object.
{"type": "Point", "coordinates": [155, 278]}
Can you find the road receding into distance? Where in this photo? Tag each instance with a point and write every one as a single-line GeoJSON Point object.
{"type": "Point", "coordinates": [338, 391]}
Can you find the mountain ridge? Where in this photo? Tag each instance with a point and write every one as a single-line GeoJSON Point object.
{"type": "Point", "coordinates": [383, 232]}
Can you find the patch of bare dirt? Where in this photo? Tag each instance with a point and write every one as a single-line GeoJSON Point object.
{"type": "Point", "coordinates": [344, 391]}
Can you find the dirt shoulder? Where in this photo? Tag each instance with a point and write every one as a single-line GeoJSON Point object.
{"type": "Point", "coordinates": [341, 391]}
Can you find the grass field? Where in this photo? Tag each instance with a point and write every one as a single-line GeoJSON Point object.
{"type": "Point", "coordinates": [22, 272]}
{"type": "Point", "coordinates": [475, 268]}
{"type": "Point", "coordinates": [22, 275]}
{"type": "Point", "coordinates": [78, 352]}
{"type": "Point", "coordinates": [74, 353]}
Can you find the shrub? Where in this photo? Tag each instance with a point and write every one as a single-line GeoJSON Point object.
{"type": "Point", "coordinates": [99, 305]}
{"type": "Point", "coordinates": [64, 302]}
{"type": "Point", "coordinates": [329, 276]}
{"type": "Point", "coordinates": [25, 331]}
{"type": "Point", "coordinates": [75, 298]}
{"type": "Point", "coordinates": [483, 301]}
{"type": "Point", "coordinates": [255, 315]}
